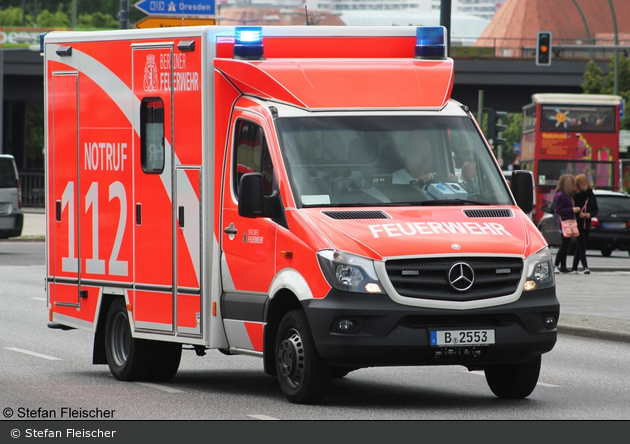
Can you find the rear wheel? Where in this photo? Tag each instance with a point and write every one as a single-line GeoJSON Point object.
{"type": "Point", "coordinates": [513, 381]}
{"type": "Point", "coordinates": [129, 359]}
{"type": "Point", "coordinates": [167, 356]}
{"type": "Point", "coordinates": [303, 375]}
{"type": "Point", "coordinates": [606, 252]}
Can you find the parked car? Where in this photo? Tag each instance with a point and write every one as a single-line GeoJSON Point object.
{"type": "Point", "coordinates": [610, 230]}
{"type": "Point", "coordinates": [11, 217]}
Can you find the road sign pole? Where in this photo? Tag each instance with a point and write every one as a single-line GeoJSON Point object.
{"type": "Point", "coordinates": [124, 14]}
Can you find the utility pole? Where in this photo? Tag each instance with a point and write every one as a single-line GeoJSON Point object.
{"type": "Point", "coordinates": [445, 20]}
{"type": "Point", "coordinates": [74, 14]}
{"type": "Point", "coordinates": [588, 31]}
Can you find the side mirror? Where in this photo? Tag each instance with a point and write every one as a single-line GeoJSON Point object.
{"type": "Point", "coordinates": [523, 189]}
{"type": "Point", "coordinates": [250, 195]}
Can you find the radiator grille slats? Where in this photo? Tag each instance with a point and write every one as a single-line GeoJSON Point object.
{"type": "Point", "coordinates": [429, 278]}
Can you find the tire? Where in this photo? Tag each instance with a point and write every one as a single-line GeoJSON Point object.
{"type": "Point", "coordinates": [167, 356]}
{"type": "Point", "coordinates": [513, 381]}
{"type": "Point", "coordinates": [606, 252]}
{"type": "Point", "coordinates": [129, 359]}
{"type": "Point", "coordinates": [340, 372]}
{"type": "Point", "coordinates": [303, 375]}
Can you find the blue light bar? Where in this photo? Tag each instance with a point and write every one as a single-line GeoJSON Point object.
{"type": "Point", "coordinates": [430, 42]}
{"type": "Point", "coordinates": [248, 43]}
{"type": "Point", "coordinates": [41, 42]}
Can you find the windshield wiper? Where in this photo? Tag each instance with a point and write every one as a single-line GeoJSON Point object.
{"type": "Point", "coordinates": [454, 202]}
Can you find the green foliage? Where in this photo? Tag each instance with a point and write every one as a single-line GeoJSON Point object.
{"type": "Point", "coordinates": [97, 20]}
{"type": "Point", "coordinates": [593, 79]}
{"type": "Point", "coordinates": [12, 16]}
{"type": "Point", "coordinates": [46, 19]}
{"type": "Point", "coordinates": [594, 83]}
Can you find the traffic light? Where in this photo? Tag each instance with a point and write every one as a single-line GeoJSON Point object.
{"type": "Point", "coordinates": [543, 48]}
{"type": "Point", "coordinates": [495, 126]}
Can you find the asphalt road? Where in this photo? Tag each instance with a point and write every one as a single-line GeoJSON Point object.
{"type": "Point", "coordinates": [49, 369]}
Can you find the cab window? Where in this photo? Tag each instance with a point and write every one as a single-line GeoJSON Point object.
{"type": "Point", "coordinates": [251, 155]}
{"type": "Point", "coordinates": [152, 136]}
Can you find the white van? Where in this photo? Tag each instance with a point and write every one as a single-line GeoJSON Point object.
{"type": "Point", "coordinates": [11, 217]}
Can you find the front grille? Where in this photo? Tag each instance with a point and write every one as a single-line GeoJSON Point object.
{"type": "Point", "coordinates": [348, 215]}
{"type": "Point", "coordinates": [500, 212]}
{"type": "Point", "coordinates": [428, 278]}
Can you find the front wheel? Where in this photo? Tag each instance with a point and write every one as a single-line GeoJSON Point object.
{"type": "Point", "coordinates": [513, 381]}
{"type": "Point", "coordinates": [303, 375]}
{"type": "Point", "coordinates": [129, 359]}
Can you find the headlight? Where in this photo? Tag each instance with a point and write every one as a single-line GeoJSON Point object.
{"type": "Point", "coordinates": [348, 272]}
{"type": "Point", "coordinates": [539, 269]}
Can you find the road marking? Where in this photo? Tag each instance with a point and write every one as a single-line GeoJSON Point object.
{"type": "Point", "coordinates": [481, 373]}
{"type": "Point", "coordinates": [159, 387]}
{"type": "Point", "coordinates": [39, 299]}
{"type": "Point", "coordinates": [32, 353]}
{"type": "Point", "coordinates": [264, 417]}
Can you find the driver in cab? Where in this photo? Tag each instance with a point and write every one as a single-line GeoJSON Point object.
{"type": "Point", "coordinates": [418, 157]}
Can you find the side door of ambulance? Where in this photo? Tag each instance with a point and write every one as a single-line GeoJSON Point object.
{"type": "Point", "coordinates": [153, 302]}
{"type": "Point", "coordinates": [248, 244]}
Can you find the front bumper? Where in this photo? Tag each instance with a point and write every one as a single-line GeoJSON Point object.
{"type": "Point", "coordinates": [387, 333]}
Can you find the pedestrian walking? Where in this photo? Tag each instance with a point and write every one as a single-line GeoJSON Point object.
{"type": "Point", "coordinates": [585, 200]}
{"type": "Point", "coordinates": [565, 209]}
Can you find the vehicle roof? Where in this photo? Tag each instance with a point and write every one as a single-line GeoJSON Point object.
{"type": "Point", "coordinates": [576, 99]}
{"type": "Point", "coordinates": [610, 193]}
{"type": "Point", "coordinates": [7, 156]}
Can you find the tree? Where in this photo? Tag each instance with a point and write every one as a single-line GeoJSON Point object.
{"type": "Point", "coordinates": [596, 83]}
{"type": "Point", "coordinates": [97, 20]}
{"type": "Point", "coordinates": [12, 16]}
{"type": "Point", "coordinates": [593, 79]}
{"type": "Point", "coordinates": [59, 19]}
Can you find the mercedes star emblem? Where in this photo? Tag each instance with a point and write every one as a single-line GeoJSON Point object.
{"type": "Point", "coordinates": [461, 276]}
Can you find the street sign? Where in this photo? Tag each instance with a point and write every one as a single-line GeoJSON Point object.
{"type": "Point", "coordinates": [172, 22]}
{"type": "Point", "coordinates": [199, 8]}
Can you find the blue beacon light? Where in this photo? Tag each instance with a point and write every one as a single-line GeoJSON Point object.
{"type": "Point", "coordinates": [248, 43]}
{"type": "Point", "coordinates": [430, 42]}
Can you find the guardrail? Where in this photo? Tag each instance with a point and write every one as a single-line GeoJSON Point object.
{"type": "Point", "coordinates": [33, 187]}
{"type": "Point", "coordinates": [505, 48]}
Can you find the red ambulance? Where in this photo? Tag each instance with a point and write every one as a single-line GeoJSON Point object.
{"type": "Point", "coordinates": [308, 195]}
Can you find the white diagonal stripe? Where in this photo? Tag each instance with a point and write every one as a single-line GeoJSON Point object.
{"type": "Point", "coordinates": [32, 353]}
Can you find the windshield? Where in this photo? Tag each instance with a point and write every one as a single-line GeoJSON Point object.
{"type": "Point", "coordinates": [7, 173]}
{"type": "Point", "coordinates": [389, 160]}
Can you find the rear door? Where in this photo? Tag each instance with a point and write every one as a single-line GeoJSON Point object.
{"type": "Point", "coordinates": [64, 190]}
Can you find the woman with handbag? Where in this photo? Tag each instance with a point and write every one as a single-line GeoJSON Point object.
{"type": "Point", "coordinates": [584, 198]}
{"type": "Point", "coordinates": [565, 209]}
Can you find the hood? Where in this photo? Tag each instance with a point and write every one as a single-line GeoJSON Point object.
{"type": "Point", "coordinates": [402, 231]}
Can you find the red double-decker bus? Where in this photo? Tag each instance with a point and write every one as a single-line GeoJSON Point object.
{"type": "Point", "coordinates": [570, 134]}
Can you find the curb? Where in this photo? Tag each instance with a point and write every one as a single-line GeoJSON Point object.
{"type": "Point", "coordinates": [594, 333]}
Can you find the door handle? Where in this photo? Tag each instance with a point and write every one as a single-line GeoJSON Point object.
{"type": "Point", "coordinates": [138, 214]}
{"type": "Point", "coordinates": [230, 230]}
{"type": "Point", "coordinates": [58, 211]}
{"type": "Point", "coordinates": [181, 217]}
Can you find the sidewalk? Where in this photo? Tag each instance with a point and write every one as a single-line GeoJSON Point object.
{"type": "Point", "coordinates": [595, 305]}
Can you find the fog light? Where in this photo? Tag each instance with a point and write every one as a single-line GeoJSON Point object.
{"type": "Point", "coordinates": [551, 322]}
{"type": "Point", "coordinates": [345, 325]}
{"type": "Point", "coordinates": [529, 285]}
{"type": "Point", "coordinates": [371, 287]}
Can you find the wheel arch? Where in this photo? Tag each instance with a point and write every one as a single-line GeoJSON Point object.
{"type": "Point", "coordinates": [276, 307]}
{"type": "Point", "coordinates": [99, 355]}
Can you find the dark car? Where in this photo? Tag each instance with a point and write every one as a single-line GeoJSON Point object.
{"type": "Point", "coordinates": [610, 230]}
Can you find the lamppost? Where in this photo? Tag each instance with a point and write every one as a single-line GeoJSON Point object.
{"type": "Point", "coordinates": [588, 31]}
{"type": "Point", "coordinates": [616, 63]}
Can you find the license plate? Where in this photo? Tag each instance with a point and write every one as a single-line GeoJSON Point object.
{"type": "Point", "coordinates": [613, 225]}
{"type": "Point", "coordinates": [460, 338]}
